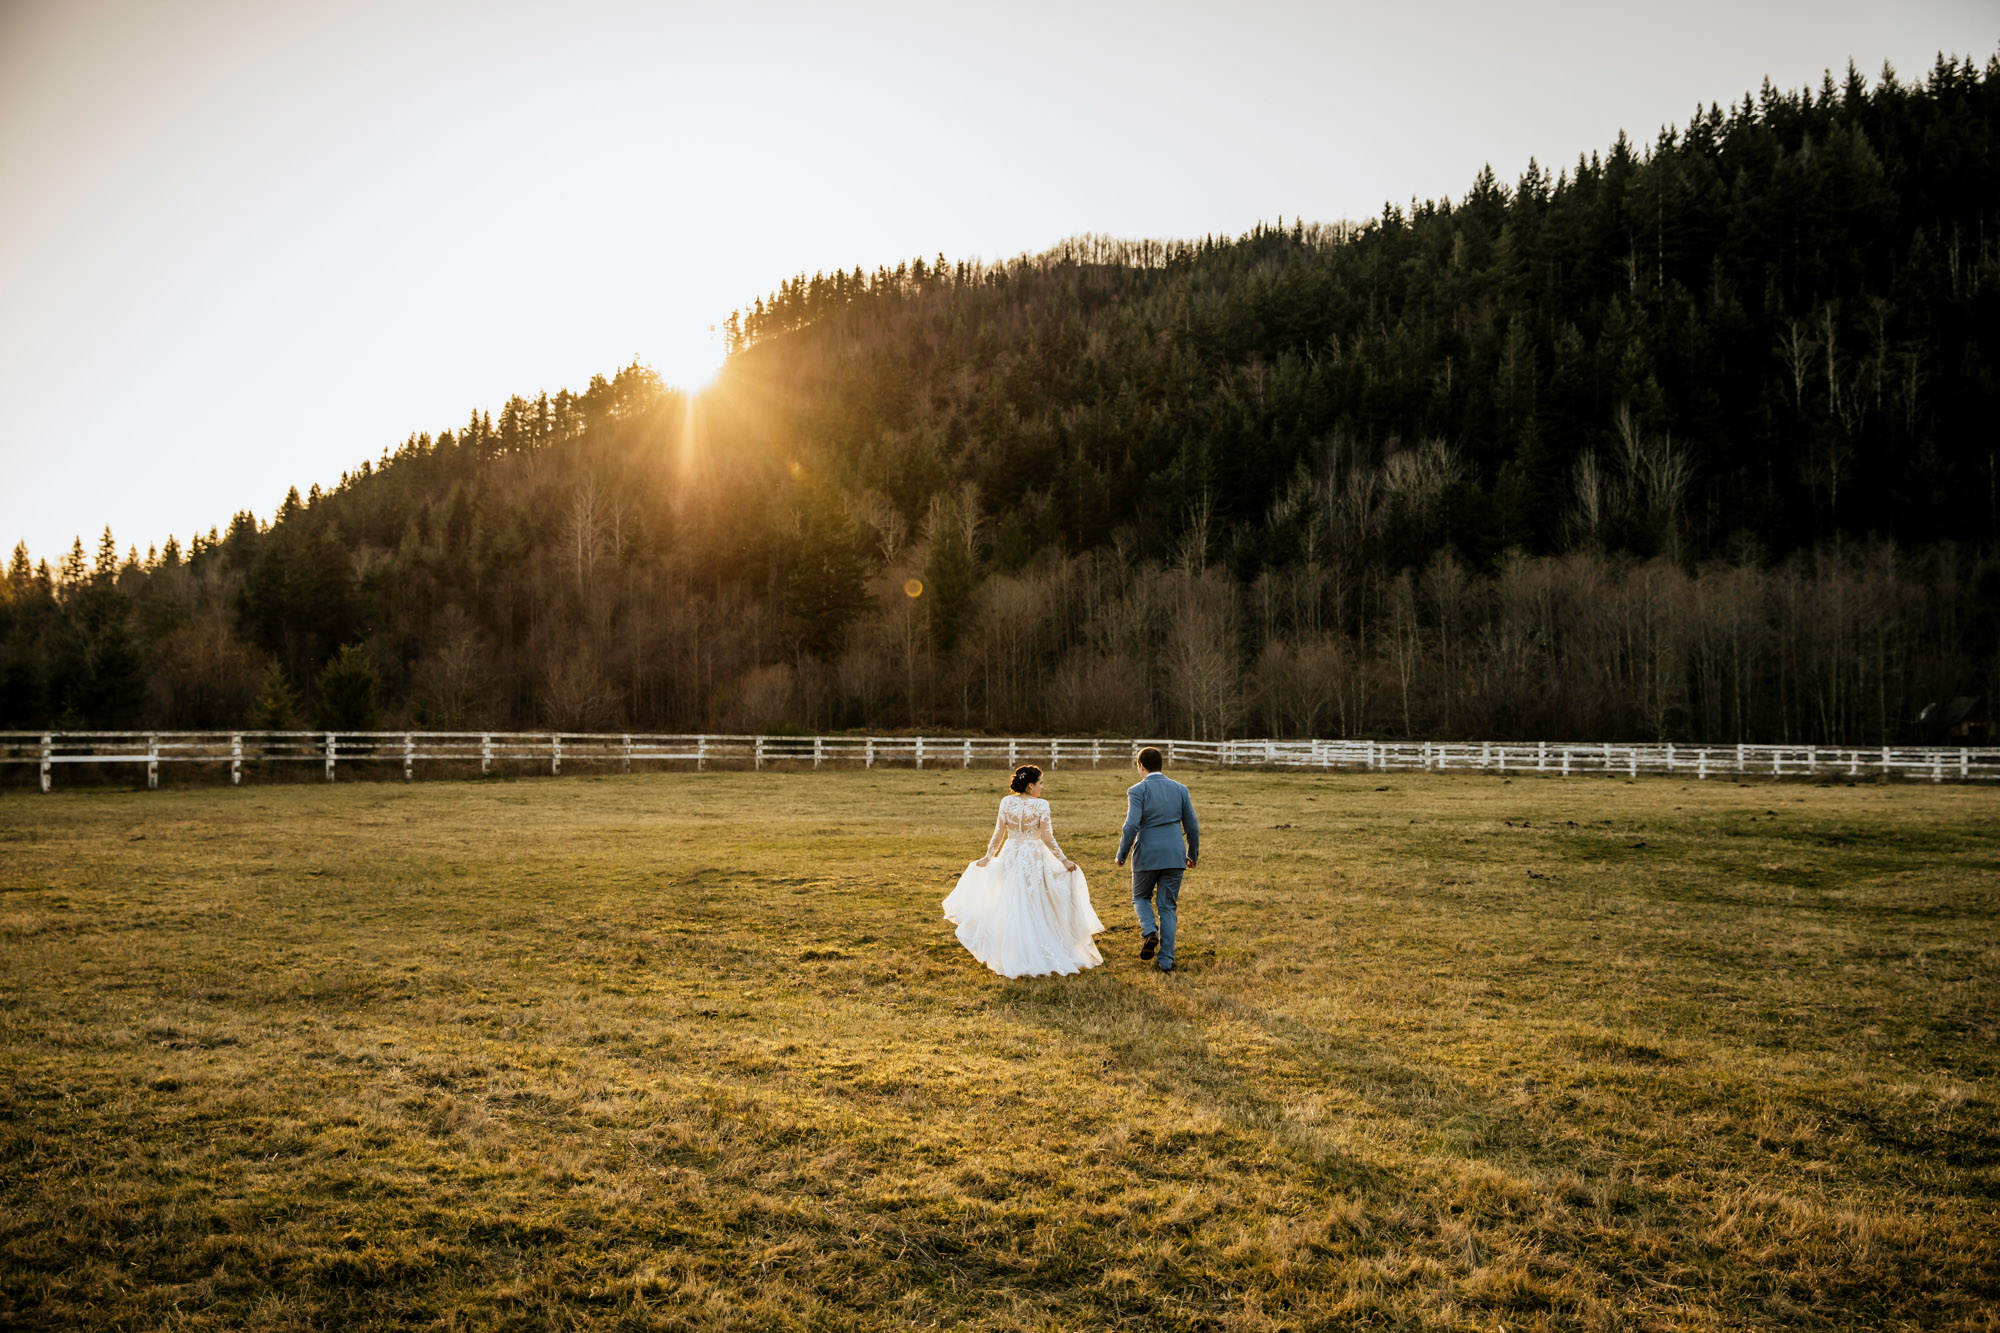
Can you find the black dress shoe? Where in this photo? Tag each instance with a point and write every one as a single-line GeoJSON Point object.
{"type": "Point", "coordinates": [1148, 947]}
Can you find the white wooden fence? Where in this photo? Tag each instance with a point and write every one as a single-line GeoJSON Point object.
{"type": "Point", "coordinates": [462, 749]}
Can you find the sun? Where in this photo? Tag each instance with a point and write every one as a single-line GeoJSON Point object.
{"type": "Point", "coordinates": [691, 362]}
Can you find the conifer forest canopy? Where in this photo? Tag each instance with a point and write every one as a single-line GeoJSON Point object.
{"type": "Point", "coordinates": [1696, 439]}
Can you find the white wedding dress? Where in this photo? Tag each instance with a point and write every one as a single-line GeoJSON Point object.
{"type": "Point", "coordinates": [1021, 913]}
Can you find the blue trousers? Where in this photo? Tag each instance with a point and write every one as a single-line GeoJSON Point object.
{"type": "Point", "coordinates": [1165, 887]}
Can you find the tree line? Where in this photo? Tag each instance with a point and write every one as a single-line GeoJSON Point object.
{"type": "Point", "coordinates": [1693, 440]}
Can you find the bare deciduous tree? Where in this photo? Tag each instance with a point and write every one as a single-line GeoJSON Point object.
{"type": "Point", "coordinates": [576, 695]}
{"type": "Point", "coordinates": [450, 680]}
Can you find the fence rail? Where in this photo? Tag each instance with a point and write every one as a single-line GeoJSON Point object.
{"type": "Point", "coordinates": [486, 748]}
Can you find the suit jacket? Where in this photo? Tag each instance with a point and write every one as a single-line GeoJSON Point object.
{"type": "Point", "coordinates": [1158, 812]}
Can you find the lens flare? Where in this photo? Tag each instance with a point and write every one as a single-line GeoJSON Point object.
{"type": "Point", "coordinates": [691, 363]}
{"type": "Point", "coordinates": [913, 587]}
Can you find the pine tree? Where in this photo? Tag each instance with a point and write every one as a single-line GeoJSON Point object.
{"type": "Point", "coordinates": [23, 693]}
{"type": "Point", "coordinates": [71, 574]}
{"type": "Point", "coordinates": [346, 692]}
{"type": "Point", "coordinates": [106, 567]}
{"type": "Point", "coordinates": [951, 580]}
{"type": "Point", "coordinates": [827, 581]}
{"type": "Point", "coordinates": [114, 694]}
{"type": "Point", "coordinates": [277, 706]}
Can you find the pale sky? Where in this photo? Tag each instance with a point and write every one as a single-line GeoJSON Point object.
{"type": "Point", "coordinates": [245, 245]}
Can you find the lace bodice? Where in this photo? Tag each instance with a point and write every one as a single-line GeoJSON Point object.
{"type": "Point", "coordinates": [1023, 818]}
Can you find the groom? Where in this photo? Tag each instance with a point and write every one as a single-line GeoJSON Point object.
{"type": "Point", "coordinates": [1157, 814]}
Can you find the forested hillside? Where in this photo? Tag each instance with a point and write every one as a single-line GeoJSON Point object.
{"type": "Point", "coordinates": [1691, 440]}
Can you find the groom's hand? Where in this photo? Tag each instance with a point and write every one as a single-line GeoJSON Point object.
{"type": "Point", "coordinates": [1191, 861]}
{"type": "Point", "coordinates": [1121, 862]}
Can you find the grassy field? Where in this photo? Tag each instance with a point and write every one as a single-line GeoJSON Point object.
{"type": "Point", "coordinates": [697, 1051]}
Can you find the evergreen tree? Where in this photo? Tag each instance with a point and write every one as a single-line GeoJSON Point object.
{"type": "Point", "coordinates": [114, 693]}
{"type": "Point", "coordinates": [826, 583]}
{"type": "Point", "coordinates": [950, 583]}
{"type": "Point", "coordinates": [23, 695]}
{"type": "Point", "coordinates": [345, 693]}
{"type": "Point", "coordinates": [106, 567]}
{"type": "Point", "coordinates": [71, 574]}
{"type": "Point", "coordinates": [277, 706]}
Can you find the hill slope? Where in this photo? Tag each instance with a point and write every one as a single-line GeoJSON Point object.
{"type": "Point", "coordinates": [1694, 440]}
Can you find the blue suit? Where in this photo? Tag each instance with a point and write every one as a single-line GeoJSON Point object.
{"type": "Point", "coordinates": [1162, 835]}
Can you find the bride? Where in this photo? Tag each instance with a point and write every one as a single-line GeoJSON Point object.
{"type": "Point", "coordinates": [1024, 910]}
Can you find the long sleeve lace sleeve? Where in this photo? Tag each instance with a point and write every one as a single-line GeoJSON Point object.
{"type": "Point", "coordinates": [999, 833]}
{"type": "Point", "coordinates": [1045, 829]}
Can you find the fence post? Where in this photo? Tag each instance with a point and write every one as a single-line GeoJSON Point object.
{"type": "Point", "coordinates": [1055, 752]}
{"type": "Point", "coordinates": [700, 753]}
{"type": "Point", "coordinates": [152, 762]}
{"type": "Point", "coordinates": [1937, 773]}
{"type": "Point", "coordinates": [236, 760]}
{"type": "Point", "coordinates": [1096, 752]}
{"type": "Point", "coordinates": [1964, 763]}
{"type": "Point", "coordinates": [1812, 761]}
{"type": "Point", "coordinates": [968, 753]}
{"type": "Point", "coordinates": [486, 752]}
{"type": "Point", "coordinates": [1701, 765]}
{"type": "Point", "coordinates": [625, 761]}
{"type": "Point", "coordinates": [329, 756]}
{"type": "Point", "coordinates": [920, 752]}
{"type": "Point", "coordinates": [1854, 763]}
{"type": "Point", "coordinates": [1885, 761]}
{"type": "Point", "coordinates": [409, 757]}
{"type": "Point", "coordinates": [1542, 758]}
{"type": "Point", "coordinates": [1742, 760]}
{"type": "Point", "coordinates": [758, 761]}
{"type": "Point", "coordinates": [868, 755]}
{"type": "Point", "coordinates": [48, 764]}
{"type": "Point", "coordinates": [555, 755]}
{"type": "Point", "coordinates": [1777, 762]}
{"type": "Point", "coordinates": [1013, 759]}
{"type": "Point", "coordinates": [819, 749]}
{"type": "Point", "coordinates": [1565, 761]}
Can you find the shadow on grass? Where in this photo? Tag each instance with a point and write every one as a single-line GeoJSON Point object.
{"type": "Point", "coordinates": [1168, 1036]}
{"type": "Point", "coordinates": [1283, 1081]}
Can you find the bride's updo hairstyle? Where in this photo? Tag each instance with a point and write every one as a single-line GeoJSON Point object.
{"type": "Point", "coordinates": [1026, 776]}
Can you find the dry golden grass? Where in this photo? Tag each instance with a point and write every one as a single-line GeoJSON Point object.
{"type": "Point", "coordinates": [696, 1051]}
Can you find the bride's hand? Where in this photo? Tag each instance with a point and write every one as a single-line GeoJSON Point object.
{"type": "Point", "coordinates": [982, 860]}
{"type": "Point", "coordinates": [1069, 865]}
